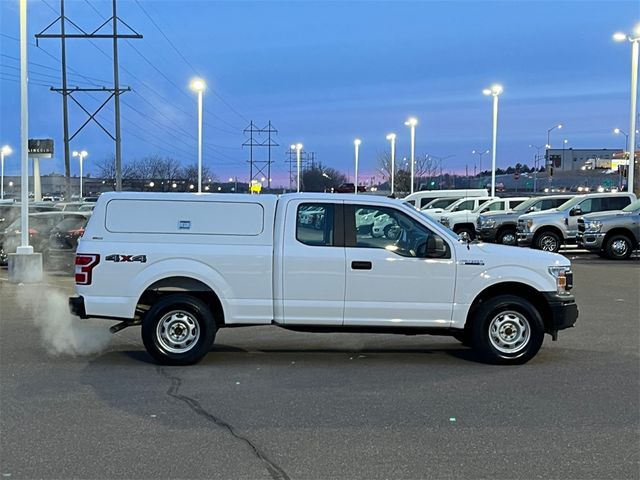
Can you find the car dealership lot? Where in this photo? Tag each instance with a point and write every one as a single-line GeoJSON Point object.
{"type": "Point", "coordinates": [269, 403]}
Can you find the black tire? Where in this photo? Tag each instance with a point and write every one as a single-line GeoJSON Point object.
{"type": "Point", "coordinates": [507, 330]}
{"type": "Point", "coordinates": [178, 317]}
{"type": "Point", "coordinates": [464, 338]}
{"type": "Point", "coordinates": [548, 241]}
{"type": "Point", "coordinates": [508, 236]}
{"type": "Point", "coordinates": [470, 231]}
{"type": "Point", "coordinates": [618, 247]}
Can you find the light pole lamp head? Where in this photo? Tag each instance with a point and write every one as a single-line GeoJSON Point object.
{"type": "Point", "coordinates": [357, 142]}
{"type": "Point", "coordinates": [198, 85]}
{"type": "Point", "coordinates": [619, 36]}
{"type": "Point", "coordinates": [411, 122]}
{"type": "Point", "coordinates": [391, 136]}
{"type": "Point", "coordinates": [75, 153]}
{"type": "Point", "coordinates": [6, 150]}
{"type": "Point", "coordinates": [83, 153]}
{"type": "Point", "coordinates": [495, 90]}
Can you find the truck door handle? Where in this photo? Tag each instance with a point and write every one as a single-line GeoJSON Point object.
{"type": "Point", "coordinates": [360, 265]}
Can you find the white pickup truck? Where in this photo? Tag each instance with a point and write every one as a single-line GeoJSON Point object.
{"type": "Point", "coordinates": [185, 265]}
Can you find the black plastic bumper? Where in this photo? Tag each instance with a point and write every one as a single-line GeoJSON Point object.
{"type": "Point", "coordinates": [487, 234]}
{"type": "Point", "coordinates": [564, 311]}
{"type": "Point", "coordinates": [76, 306]}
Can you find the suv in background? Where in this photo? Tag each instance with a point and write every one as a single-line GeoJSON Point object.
{"type": "Point", "coordinates": [613, 235]}
{"type": "Point", "coordinates": [549, 230]}
{"type": "Point", "coordinates": [500, 227]}
{"type": "Point", "coordinates": [465, 221]}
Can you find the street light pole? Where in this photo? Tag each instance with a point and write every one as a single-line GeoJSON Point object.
{"type": "Point", "coordinates": [81, 155]}
{"type": "Point", "coordinates": [298, 148]}
{"type": "Point", "coordinates": [392, 137]}
{"type": "Point", "coordinates": [634, 38]}
{"type": "Point", "coordinates": [356, 144]}
{"type": "Point", "coordinates": [535, 166]}
{"type": "Point", "coordinates": [495, 92]}
{"type": "Point", "coordinates": [412, 122]}
{"type": "Point", "coordinates": [619, 131]}
{"type": "Point", "coordinates": [480, 154]}
{"type": "Point", "coordinates": [198, 85]}
{"type": "Point", "coordinates": [4, 151]}
{"type": "Point", "coordinates": [24, 247]}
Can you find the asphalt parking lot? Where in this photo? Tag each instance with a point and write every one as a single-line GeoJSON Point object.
{"type": "Point", "coordinates": [268, 403]}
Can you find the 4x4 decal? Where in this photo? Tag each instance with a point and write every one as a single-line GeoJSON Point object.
{"type": "Point", "coordinates": [126, 258]}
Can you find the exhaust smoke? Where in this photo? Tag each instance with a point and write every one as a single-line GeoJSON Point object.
{"type": "Point", "coordinates": [61, 333]}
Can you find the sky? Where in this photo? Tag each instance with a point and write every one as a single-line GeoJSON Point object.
{"type": "Point", "coordinates": [325, 73]}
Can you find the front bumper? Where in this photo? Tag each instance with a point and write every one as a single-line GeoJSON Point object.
{"type": "Point", "coordinates": [487, 234]}
{"type": "Point", "coordinates": [590, 241]}
{"type": "Point", "coordinates": [76, 307]}
{"type": "Point", "coordinates": [525, 239]}
{"type": "Point", "coordinates": [563, 310]}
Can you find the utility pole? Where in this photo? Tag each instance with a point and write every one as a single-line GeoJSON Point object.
{"type": "Point", "coordinates": [68, 92]}
{"type": "Point", "coordinates": [268, 142]}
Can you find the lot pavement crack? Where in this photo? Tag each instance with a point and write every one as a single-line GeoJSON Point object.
{"type": "Point", "coordinates": [276, 472]}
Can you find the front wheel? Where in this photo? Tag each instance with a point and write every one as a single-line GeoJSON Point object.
{"type": "Point", "coordinates": [508, 237]}
{"type": "Point", "coordinates": [507, 330]}
{"type": "Point", "coordinates": [548, 242]}
{"type": "Point", "coordinates": [618, 247]}
{"type": "Point", "coordinates": [178, 330]}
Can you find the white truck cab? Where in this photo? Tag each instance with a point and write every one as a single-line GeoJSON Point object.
{"type": "Point", "coordinates": [465, 220]}
{"type": "Point", "coordinates": [185, 265]}
{"type": "Point", "coordinates": [422, 198]}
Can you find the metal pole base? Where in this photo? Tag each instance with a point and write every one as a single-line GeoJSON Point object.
{"type": "Point", "coordinates": [25, 267]}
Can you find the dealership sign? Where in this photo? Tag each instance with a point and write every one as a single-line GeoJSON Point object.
{"type": "Point", "coordinates": [41, 147]}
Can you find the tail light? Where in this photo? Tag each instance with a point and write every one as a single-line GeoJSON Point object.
{"type": "Point", "coordinates": [85, 263]}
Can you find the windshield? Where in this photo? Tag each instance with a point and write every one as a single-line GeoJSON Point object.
{"type": "Point", "coordinates": [633, 206]}
{"type": "Point", "coordinates": [524, 206]}
{"type": "Point", "coordinates": [569, 204]}
{"type": "Point", "coordinates": [450, 233]}
{"type": "Point", "coordinates": [454, 206]}
{"type": "Point", "coordinates": [439, 203]}
{"type": "Point", "coordinates": [479, 207]}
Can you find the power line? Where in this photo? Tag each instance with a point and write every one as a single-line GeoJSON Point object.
{"type": "Point", "coordinates": [187, 62]}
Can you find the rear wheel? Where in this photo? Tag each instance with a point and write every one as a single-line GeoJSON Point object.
{"type": "Point", "coordinates": [507, 330]}
{"type": "Point", "coordinates": [548, 242]}
{"type": "Point", "coordinates": [178, 330]}
{"type": "Point", "coordinates": [507, 237]}
{"type": "Point", "coordinates": [618, 247]}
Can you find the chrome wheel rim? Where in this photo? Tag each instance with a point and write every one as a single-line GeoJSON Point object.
{"type": "Point", "coordinates": [177, 331]}
{"type": "Point", "coordinates": [548, 243]}
{"type": "Point", "coordinates": [620, 247]}
{"type": "Point", "coordinates": [509, 239]}
{"type": "Point", "coordinates": [509, 332]}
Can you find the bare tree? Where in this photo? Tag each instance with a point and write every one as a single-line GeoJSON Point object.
{"type": "Point", "coordinates": [319, 178]}
{"type": "Point", "coordinates": [189, 173]}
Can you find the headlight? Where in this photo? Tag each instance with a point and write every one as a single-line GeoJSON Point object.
{"type": "Point", "coordinates": [529, 223]}
{"type": "Point", "coordinates": [564, 278]}
{"type": "Point", "coordinates": [593, 226]}
{"type": "Point", "coordinates": [444, 221]}
{"type": "Point", "coordinates": [487, 222]}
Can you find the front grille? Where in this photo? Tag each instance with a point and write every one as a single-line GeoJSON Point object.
{"type": "Point", "coordinates": [581, 225]}
{"type": "Point", "coordinates": [520, 226]}
{"type": "Point", "coordinates": [569, 276]}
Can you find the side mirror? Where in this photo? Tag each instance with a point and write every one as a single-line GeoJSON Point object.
{"type": "Point", "coordinates": [464, 236]}
{"type": "Point", "coordinates": [531, 209]}
{"type": "Point", "coordinates": [575, 211]}
{"type": "Point", "coordinates": [435, 247]}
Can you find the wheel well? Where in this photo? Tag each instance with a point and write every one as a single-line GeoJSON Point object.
{"type": "Point", "coordinates": [460, 226]}
{"type": "Point", "coordinates": [621, 231]}
{"type": "Point", "coordinates": [512, 288]}
{"type": "Point", "coordinates": [509, 226]}
{"type": "Point", "coordinates": [542, 230]}
{"type": "Point", "coordinates": [187, 285]}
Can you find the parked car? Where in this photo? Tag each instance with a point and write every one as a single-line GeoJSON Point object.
{"type": "Point", "coordinates": [551, 229]}
{"type": "Point", "coordinates": [40, 226]}
{"type": "Point", "coordinates": [463, 204]}
{"type": "Point", "coordinates": [422, 198]}
{"type": "Point", "coordinates": [613, 235]}
{"type": "Point", "coordinates": [500, 227]}
{"type": "Point", "coordinates": [465, 221]}
{"type": "Point", "coordinates": [349, 188]}
{"type": "Point", "coordinates": [63, 241]}
{"type": "Point", "coordinates": [160, 254]}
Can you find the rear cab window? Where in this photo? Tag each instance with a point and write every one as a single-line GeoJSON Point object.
{"type": "Point", "coordinates": [315, 224]}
